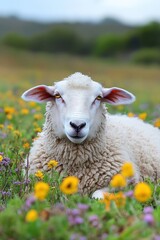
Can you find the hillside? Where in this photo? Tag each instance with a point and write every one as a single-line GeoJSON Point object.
{"type": "Point", "coordinates": [87, 30]}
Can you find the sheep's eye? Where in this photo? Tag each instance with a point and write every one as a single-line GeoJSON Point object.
{"type": "Point", "coordinates": [98, 98]}
{"type": "Point", "coordinates": [57, 95]}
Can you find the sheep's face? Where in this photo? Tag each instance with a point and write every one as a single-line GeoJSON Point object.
{"type": "Point", "coordinates": [78, 108]}
{"type": "Point", "coordinates": [77, 105]}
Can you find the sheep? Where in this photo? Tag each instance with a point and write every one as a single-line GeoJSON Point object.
{"type": "Point", "coordinates": [86, 140]}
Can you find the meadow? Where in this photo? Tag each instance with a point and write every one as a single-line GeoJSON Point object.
{"type": "Point", "coordinates": [41, 206]}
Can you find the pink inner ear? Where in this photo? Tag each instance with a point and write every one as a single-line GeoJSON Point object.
{"type": "Point", "coordinates": [40, 93]}
{"type": "Point", "coordinates": [115, 94]}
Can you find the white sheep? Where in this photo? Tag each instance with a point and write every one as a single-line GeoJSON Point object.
{"type": "Point", "coordinates": [86, 140]}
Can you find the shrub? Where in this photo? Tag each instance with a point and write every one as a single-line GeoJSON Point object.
{"type": "Point", "coordinates": [109, 45]}
{"type": "Point", "coordinates": [16, 41]}
{"type": "Point", "coordinates": [57, 40]}
{"type": "Point", "coordinates": [147, 56]}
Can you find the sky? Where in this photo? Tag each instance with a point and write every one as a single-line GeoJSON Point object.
{"type": "Point", "coordinates": [127, 11]}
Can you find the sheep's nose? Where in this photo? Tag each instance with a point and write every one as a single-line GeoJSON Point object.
{"type": "Point", "coordinates": [77, 127]}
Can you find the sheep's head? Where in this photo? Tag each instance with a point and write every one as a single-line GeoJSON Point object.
{"type": "Point", "coordinates": [77, 104]}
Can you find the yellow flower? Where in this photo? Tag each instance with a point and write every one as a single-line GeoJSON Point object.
{"type": "Point", "coordinates": [69, 185]}
{"type": "Point", "coordinates": [41, 190]}
{"type": "Point", "coordinates": [1, 126]}
{"type": "Point", "coordinates": [157, 122]}
{"type": "Point", "coordinates": [118, 181]}
{"type": "Point", "coordinates": [1, 158]}
{"type": "Point", "coordinates": [130, 114]}
{"type": "Point", "coordinates": [31, 216]}
{"type": "Point", "coordinates": [142, 192]}
{"type": "Point", "coordinates": [9, 116]}
{"type": "Point", "coordinates": [9, 110]}
{"type": "Point", "coordinates": [10, 127]}
{"type": "Point", "coordinates": [26, 145]}
{"type": "Point", "coordinates": [38, 129]}
{"type": "Point", "coordinates": [17, 133]}
{"type": "Point", "coordinates": [37, 116]}
{"type": "Point", "coordinates": [142, 115]}
{"type": "Point", "coordinates": [32, 104]}
{"type": "Point", "coordinates": [52, 164]}
{"type": "Point", "coordinates": [127, 170]}
{"type": "Point", "coordinates": [39, 174]}
{"type": "Point", "coordinates": [120, 199]}
{"type": "Point", "coordinates": [24, 111]}
{"type": "Point", "coordinates": [108, 198]}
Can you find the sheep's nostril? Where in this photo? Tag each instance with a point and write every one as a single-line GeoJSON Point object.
{"type": "Point", "coordinates": [77, 127]}
{"type": "Point", "coordinates": [82, 125]}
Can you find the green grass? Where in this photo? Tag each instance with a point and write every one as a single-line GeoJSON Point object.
{"type": "Point", "coordinates": [20, 71]}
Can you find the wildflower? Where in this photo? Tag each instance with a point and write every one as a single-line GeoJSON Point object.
{"type": "Point", "coordinates": [108, 198]}
{"type": "Point", "coordinates": [127, 170]}
{"type": "Point", "coordinates": [120, 199]}
{"type": "Point", "coordinates": [1, 158]}
{"type": "Point", "coordinates": [142, 115]}
{"type": "Point", "coordinates": [9, 110]}
{"type": "Point", "coordinates": [1, 126]}
{"type": "Point", "coordinates": [39, 174]}
{"type": "Point", "coordinates": [41, 190]}
{"type": "Point", "coordinates": [30, 200]}
{"type": "Point", "coordinates": [37, 116]}
{"type": "Point", "coordinates": [129, 194]}
{"type": "Point", "coordinates": [69, 185]}
{"type": "Point", "coordinates": [31, 216]}
{"type": "Point", "coordinates": [94, 220]}
{"type": "Point", "coordinates": [17, 133]}
{"type": "Point", "coordinates": [157, 237]}
{"type": "Point", "coordinates": [26, 145]}
{"type": "Point", "coordinates": [148, 218]}
{"type": "Point", "coordinates": [157, 122]}
{"type": "Point", "coordinates": [32, 104]}
{"type": "Point", "coordinates": [10, 127]}
{"type": "Point", "coordinates": [52, 164]}
{"type": "Point", "coordinates": [24, 111]}
{"type": "Point", "coordinates": [9, 116]}
{"type": "Point", "coordinates": [118, 181]}
{"type": "Point", "coordinates": [142, 192]}
{"type": "Point", "coordinates": [147, 210]}
{"type": "Point", "coordinates": [82, 207]}
{"type": "Point", "coordinates": [130, 114]}
{"type": "Point", "coordinates": [38, 129]}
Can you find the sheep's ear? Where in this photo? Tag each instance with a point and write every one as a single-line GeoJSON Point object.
{"type": "Point", "coordinates": [117, 96]}
{"type": "Point", "coordinates": [41, 93]}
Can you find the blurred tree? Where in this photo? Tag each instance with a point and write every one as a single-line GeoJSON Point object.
{"type": "Point", "coordinates": [57, 40]}
{"type": "Point", "coordinates": [109, 45]}
{"type": "Point", "coordinates": [16, 41]}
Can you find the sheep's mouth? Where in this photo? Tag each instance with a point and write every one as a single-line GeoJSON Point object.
{"type": "Point", "coordinates": [76, 137]}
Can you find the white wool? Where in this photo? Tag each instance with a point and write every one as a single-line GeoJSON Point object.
{"type": "Point", "coordinates": [116, 139]}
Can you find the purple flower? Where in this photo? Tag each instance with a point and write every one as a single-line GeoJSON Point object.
{"type": "Point", "coordinates": [73, 212]}
{"type": "Point", "coordinates": [26, 182]}
{"type": "Point", "coordinates": [104, 236]}
{"type": "Point", "coordinates": [148, 218]}
{"type": "Point", "coordinates": [129, 194]}
{"type": "Point", "coordinates": [82, 207]}
{"type": "Point", "coordinates": [147, 210]}
{"type": "Point", "coordinates": [75, 220]}
{"type": "Point", "coordinates": [5, 162]}
{"type": "Point", "coordinates": [17, 183]}
{"type": "Point", "coordinates": [157, 237]}
{"type": "Point", "coordinates": [30, 201]}
{"type": "Point", "coordinates": [94, 220]}
{"type": "Point", "coordinates": [4, 193]}
{"type": "Point", "coordinates": [77, 237]}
